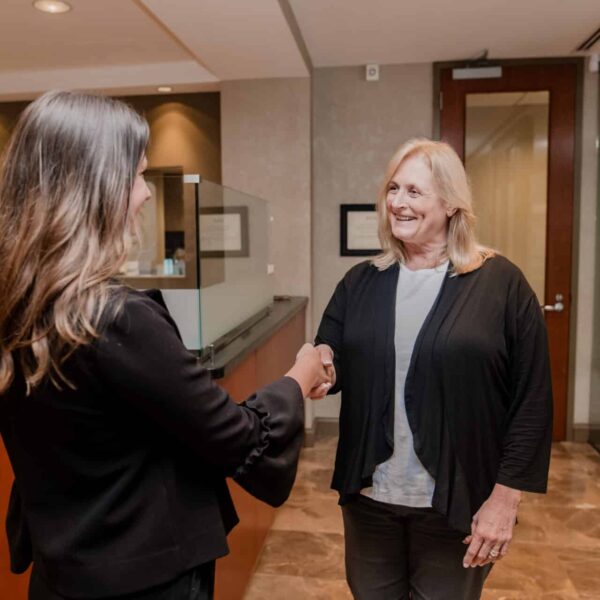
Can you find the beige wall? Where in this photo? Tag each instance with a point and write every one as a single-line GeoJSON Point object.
{"type": "Point", "coordinates": [595, 362]}
{"type": "Point", "coordinates": [357, 125]}
{"type": "Point", "coordinates": [266, 153]}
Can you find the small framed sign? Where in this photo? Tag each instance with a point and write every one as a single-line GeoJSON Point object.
{"type": "Point", "coordinates": [358, 230]}
{"type": "Point", "coordinates": [223, 231]}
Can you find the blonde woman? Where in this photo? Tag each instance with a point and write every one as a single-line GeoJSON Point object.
{"type": "Point", "coordinates": [119, 441]}
{"type": "Point", "coordinates": [439, 349]}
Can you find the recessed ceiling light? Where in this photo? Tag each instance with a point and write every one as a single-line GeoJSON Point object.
{"type": "Point", "coordinates": [164, 89]}
{"type": "Point", "coordinates": [52, 6]}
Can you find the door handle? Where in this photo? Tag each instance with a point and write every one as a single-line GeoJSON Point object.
{"type": "Point", "coordinates": [558, 306]}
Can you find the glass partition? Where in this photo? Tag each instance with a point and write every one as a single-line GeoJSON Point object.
{"type": "Point", "coordinates": [206, 247]}
{"type": "Point", "coordinates": [234, 255]}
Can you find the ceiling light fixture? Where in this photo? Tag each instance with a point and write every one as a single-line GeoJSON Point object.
{"type": "Point", "coordinates": [54, 7]}
{"type": "Point", "coordinates": [164, 89]}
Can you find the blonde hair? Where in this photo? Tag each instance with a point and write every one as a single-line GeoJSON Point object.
{"type": "Point", "coordinates": [66, 177]}
{"type": "Point", "coordinates": [463, 250]}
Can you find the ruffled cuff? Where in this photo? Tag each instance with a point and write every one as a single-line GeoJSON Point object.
{"type": "Point", "coordinates": [269, 471]}
{"type": "Point", "coordinates": [265, 434]}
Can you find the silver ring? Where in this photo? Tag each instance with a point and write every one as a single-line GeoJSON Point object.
{"type": "Point", "coordinates": [494, 553]}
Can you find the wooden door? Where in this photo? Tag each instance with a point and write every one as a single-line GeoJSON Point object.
{"type": "Point", "coordinates": [557, 82]}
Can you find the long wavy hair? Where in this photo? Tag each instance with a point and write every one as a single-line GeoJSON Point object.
{"type": "Point", "coordinates": [66, 177]}
{"type": "Point", "coordinates": [450, 179]}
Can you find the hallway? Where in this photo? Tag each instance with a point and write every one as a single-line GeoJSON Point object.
{"type": "Point", "coordinates": [555, 555]}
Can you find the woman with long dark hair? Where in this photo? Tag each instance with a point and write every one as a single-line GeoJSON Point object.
{"type": "Point", "coordinates": [119, 440]}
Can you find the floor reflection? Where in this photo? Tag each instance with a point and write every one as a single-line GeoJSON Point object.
{"type": "Point", "coordinates": [555, 555]}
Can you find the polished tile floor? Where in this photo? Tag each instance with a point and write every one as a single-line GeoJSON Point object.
{"type": "Point", "coordinates": [555, 554]}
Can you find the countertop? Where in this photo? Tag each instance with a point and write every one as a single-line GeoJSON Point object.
{"type": "Point", "coordinates": [281, 311]}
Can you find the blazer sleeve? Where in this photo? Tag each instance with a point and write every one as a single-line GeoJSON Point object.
{"type": "Point", "coordinates": [331, 330]}
{"type": "Point", "coordinates": [140, 357]}
{"type": "Point", "coordinates": [528, 435]}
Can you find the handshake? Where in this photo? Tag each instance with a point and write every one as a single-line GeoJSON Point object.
{"type": "Point", "coordinates": [318, 363]}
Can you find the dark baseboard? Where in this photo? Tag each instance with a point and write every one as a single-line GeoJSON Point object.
{"type": "Point", "coordinates": [580, 432]}
{"type": "Point", "coordinates": [322, 427]}
{"type": "Point", "coordinates": [327, 427]}
{"type": "Point", "coordinates": [594, 437]}
{"type": "Point", "coordinates": [309, 437]}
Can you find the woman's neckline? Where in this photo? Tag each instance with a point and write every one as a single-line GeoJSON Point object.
{"type": "Point", "coordinates": [440, 268]}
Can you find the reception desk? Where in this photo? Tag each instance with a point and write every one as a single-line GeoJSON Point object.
{"type": "Point", "coordinates": [275, 340]}
{"type": "Point", "coordinates": [260, 354]}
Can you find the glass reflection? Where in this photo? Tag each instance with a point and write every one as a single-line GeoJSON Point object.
{"type": "Point", "coordinates": [506, 158]}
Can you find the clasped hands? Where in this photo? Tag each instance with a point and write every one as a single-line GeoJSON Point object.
{"type": "Point", "coordinates": [326, 376]}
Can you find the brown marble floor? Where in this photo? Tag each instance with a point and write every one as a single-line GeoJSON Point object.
{"type": "Point", "coordinates": [555, 554]}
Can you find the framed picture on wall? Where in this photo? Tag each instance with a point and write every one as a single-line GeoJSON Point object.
{"type": "Point", "coordinates": [358, 230]}
{"type": "Point", "coordinates": [224, 231]}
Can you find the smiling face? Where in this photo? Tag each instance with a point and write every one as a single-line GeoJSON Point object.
{"type": "Point", "coordinates": [417, 215]}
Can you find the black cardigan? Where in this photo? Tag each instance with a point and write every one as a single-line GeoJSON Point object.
{"type": "Point", "coordinates": [120, 485]}
{"type": "Point", "coordinates": [478, 393]}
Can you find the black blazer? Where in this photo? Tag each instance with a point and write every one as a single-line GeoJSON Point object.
{"type": "Point", "coordinates": [478, 392]}
{"type": "Point", "coordinates": [120, 484]}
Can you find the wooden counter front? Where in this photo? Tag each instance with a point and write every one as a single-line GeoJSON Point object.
{"type": "Point", "coordinates": [267, 363]}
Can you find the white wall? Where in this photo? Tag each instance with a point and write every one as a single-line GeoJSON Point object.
{"type": "Point", "coordinates": [588, 250]}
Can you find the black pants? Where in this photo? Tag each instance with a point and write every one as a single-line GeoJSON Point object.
{"type": "Point", "coordinates": [396, 553]}
{"type": "Point", "coordinates": [197, 584]}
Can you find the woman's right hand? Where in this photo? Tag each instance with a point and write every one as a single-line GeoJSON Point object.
{"type": "Point", "coordinates": [309, 370]}
{"type": "Point", "coordinates": [320, 391]}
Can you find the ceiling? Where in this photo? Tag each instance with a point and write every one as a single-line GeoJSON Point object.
{"type": "Point", "coordinates": [132, 46]}
{"type": "Point", "coordinates": [351, 32]}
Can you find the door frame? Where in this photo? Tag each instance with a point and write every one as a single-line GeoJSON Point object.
{"type": "Point", "coordinates": [579, 63]}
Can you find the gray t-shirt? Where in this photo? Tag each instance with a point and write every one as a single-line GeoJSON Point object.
{"type": "Point", "coordinates": [402, 479]}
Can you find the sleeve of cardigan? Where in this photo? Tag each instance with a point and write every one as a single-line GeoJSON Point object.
{"type": "Point", "coordinates": [331, 330]}
{"type": "Point", "coordinates": [142, 359]}
{"type": "Point", "coordinates": [528, 438]}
